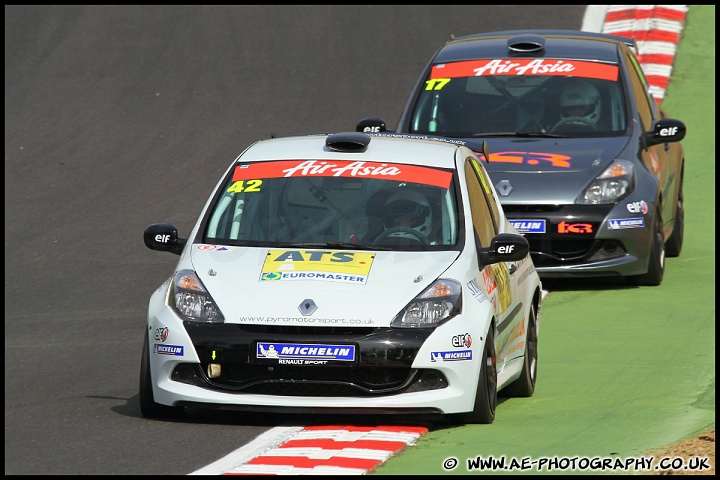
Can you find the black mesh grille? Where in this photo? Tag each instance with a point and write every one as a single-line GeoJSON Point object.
{"type": "Point", "coordinates": [547, 251]}
{"type": "Point", "coordinates": [314, 381]}
{"type": "Point", "coordinates": [554, 248]}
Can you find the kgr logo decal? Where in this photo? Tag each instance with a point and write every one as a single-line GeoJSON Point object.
{"type": "Point", "coordinates": [530, 158]}
{"type": "Point", "coordinates": [319, 265]}
{"type": "Point", "coordinates": [574, 228]}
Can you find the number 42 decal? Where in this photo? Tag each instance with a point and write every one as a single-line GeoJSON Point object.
{"type": "Point", "coordinates": [245, 186]}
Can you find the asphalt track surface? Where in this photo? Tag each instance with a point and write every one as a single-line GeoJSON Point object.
{"type": "Point", "coordinates": [118, 117]}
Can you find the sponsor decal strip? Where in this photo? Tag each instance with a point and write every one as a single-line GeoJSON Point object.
{"type": "Point", "coordinates": [513, 66]}
{"type": "Point", "coordinates": [339, 168]}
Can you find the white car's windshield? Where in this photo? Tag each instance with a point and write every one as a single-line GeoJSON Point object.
{"type": "Point", "coordinates": [463, 99]}
{"type": "Point", "coordinates": [385, 206]}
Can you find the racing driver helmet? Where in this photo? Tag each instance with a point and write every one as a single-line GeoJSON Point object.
{"type": "Point", "coordinates": [580, 100]}
{"type": "Point", "coordinates": [408, 208]}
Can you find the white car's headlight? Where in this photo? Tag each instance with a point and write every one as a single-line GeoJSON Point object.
{"type": "Point", "coordinates": [438, 303]}
{"type": "Point", "coordinates": [616, 182]}
{"type": "Point", "coordinates": [191, 300]}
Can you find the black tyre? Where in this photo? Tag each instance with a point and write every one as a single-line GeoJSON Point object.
{"type": "Point", "coordinates": [674, 244]}
{"type": "Point", "coordinates": [486, 393]}
{"type": "Point", "coordinates": [148, 407]}
{"type": "Point", "coordinates": [524, 386]}
{"type": "Point", "coordinates": [656, 263]}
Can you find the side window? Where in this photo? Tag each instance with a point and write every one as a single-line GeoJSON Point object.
{"type": "Point", "coordinates": [645, 103]}
{"type": "Point", "coordinates": [489, 195]}
{"type": "Point", "coordinates": [481, 202]}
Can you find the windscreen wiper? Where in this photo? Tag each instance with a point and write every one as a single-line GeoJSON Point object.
{"type": "Point", "coordinates": [518, 134]}
{"type": "Point", "coordinates": [337, 245]}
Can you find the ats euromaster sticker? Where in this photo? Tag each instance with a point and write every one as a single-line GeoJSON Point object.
{"type": "Point", "coordinates": [317, 265]}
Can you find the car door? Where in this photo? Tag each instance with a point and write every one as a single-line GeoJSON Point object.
{"type": "Point", "coordinates": [495, 280]}
{"type": "Point", "coordinates": [657, 158]}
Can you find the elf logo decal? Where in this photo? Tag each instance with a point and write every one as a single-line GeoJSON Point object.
{"type": "Point", "coordinates": [638, 207]}
{"type": "Point", "coordinates": [464, 340]}
{"type": "Point", "coordinates": [320, 265]}
{"type": "Point", "coordinates": [574, 228]}
{"type": "Point", "coordinates": [161, 333]}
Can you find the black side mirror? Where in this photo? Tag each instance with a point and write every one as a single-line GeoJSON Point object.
{"type": "Point", "coordinates": [666, 130]}
{"type": "Point", "coordinates": [163, 237]}
{"type": "Point", "coordinates": [371, 125]}
{"type": "Point", "coordinates": [505, 247]}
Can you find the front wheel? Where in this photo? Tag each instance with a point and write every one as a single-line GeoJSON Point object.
{"type": "Point", "coordinates": [656, 262]}
{"type": "Point", "coordinates": [486, 391]}
{"type": "Point", "coordinates": [524, 386]}
{"type": "Point", "coordinates": [148, 407]}
{"type": "Point", "coordinates": [673, 246]}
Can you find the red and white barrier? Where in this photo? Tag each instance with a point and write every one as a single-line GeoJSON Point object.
{"type": "Point", "coordinates": [657, 30]}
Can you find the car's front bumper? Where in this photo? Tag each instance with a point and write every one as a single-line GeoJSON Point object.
{"type": "Point", "coordinates": [394, 370]}
{"type": "Point", "coordinates": [584, 241]}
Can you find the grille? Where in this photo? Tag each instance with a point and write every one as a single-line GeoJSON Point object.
{"type": "Point", "coordinates": [550, 251]}
{"type": "Point", "coordinates": [552, 248]}
{"type": "Point", "coordinates": [314, 381]}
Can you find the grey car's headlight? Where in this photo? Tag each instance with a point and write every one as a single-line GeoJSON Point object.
{"type": "Point", "coordinates": [191, 300]}
{"type": "Point", "coordinates": [616, 182]}
{"type": "Point", "coordinates": [438, 303]}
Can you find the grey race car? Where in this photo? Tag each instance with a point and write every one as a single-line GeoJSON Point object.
{"type": "Point", "coordinates": [586, 163]}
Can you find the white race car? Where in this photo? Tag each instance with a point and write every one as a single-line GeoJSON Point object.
{"type": "Point", "coordinates": [345, 273]}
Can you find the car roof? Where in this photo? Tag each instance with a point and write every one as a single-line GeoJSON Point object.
{"type": "Point", "coordinates": [380, 147]}
{"type": "Point", "coordinates": [573, 44]}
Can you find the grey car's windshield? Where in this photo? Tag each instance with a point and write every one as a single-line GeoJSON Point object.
{"type": "Point", "coordinates": [475, 99]}
{"type": "Point", "coordinates": [399, 207]}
